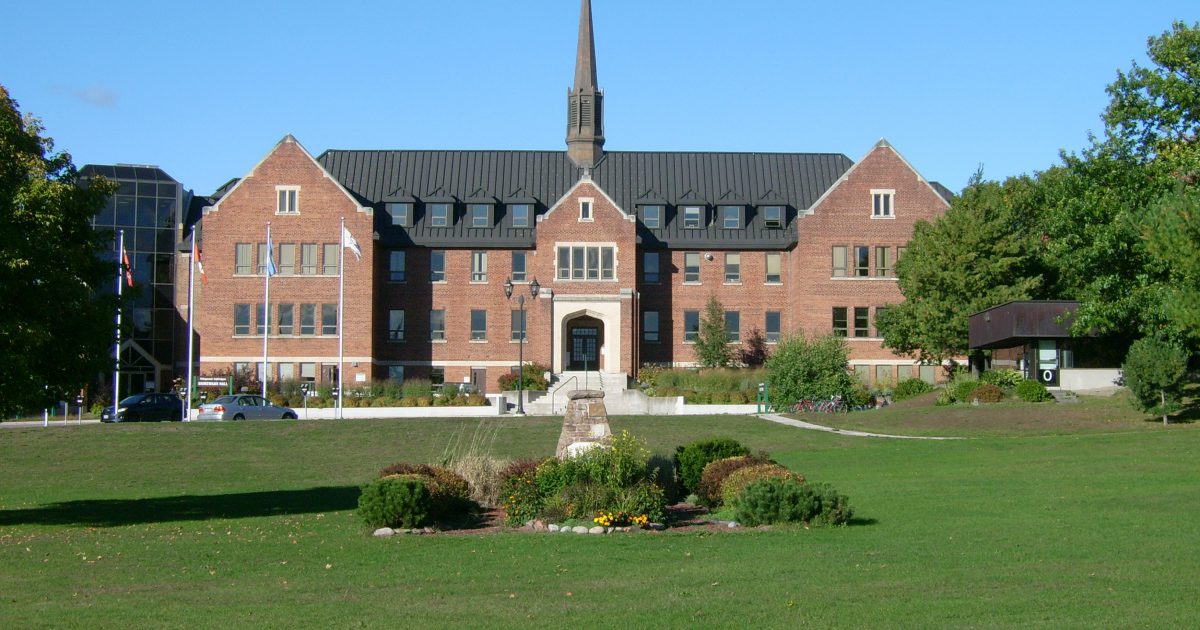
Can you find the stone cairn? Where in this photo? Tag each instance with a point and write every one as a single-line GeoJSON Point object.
{"type": "Point", "coordinates": [585, 423]}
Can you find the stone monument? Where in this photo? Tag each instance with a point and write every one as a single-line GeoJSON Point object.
{"type": "Point", "coordinates": [585, 423]}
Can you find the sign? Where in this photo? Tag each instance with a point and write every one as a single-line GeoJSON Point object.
{"type": "Point", "coordinates": [212, 381]}
{"type": "Point", "coordinates": [1047, 376]}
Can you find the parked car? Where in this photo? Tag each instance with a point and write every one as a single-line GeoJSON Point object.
{"type": "Point", "coordinates": [145, 408]}
{"type": "Point", "coordinates": [243, 407]}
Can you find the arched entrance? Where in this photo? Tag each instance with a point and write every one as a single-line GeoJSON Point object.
{"type": "Point", "coordinates": [584, 344]}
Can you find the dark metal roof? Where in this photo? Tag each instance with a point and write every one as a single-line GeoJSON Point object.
{"type": "Point", "coordinates": [127, 171]}
{"type": "Point", "coordinates": [945, 193]}
{"type": "Point", "coordinates": [1014, 323]}
{"type": "Point", "coordinates": [794, 180]}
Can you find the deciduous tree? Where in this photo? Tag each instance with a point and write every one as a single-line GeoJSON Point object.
{"type": "Point", "coordinates": [712, 341]}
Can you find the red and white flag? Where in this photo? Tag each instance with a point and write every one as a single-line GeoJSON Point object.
{"type": "Point", "coordinates": [128, 267]}
{"type": "Point", "coordinates": [196, 256]}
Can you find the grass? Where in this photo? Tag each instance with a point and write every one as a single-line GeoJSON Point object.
{"type": "Point", "coordinates": [216, 525]}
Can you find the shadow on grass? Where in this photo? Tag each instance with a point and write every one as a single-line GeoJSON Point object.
{"type": "Point", "coordinates": [117, 512]}
{"type": "Point", "coordinates": [856, 521]}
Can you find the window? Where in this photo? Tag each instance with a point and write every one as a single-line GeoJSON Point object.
{"type": "Point", "coordinates": [396, 325]}
{"type": "Point", "coordinates": [691, 325]}
{"type": "Point", "coordinates": [330, 267]}
{"type": "Point", "coordinates": [861, 325]}
{"type": "Point", "coordinates": [862, 263]}
{"type": "Point", "coordinates": [879, 312]}
{"type": "Point", "coordinates": [650, 267]}
{"type": "Point", "coordinates": [733, 326]}
{"type": "Point", "coordinates": [481, 215]}
{"type": "Point", "coordinates": [396, 266]}
{"type": "Point", "coordinates": [578, 262]}
{"type": "Point", "coordinates": [773, 217]}
{"type": "Point", "coordinates": [287, 371]}
{"type": "Point", "coordinates": [839, 261]}
{"type": "Point", "coordinates": [396, 373]}
{"type": "Point", "coordinates": [308, 319]}
{"type": "Point", "coordinates": [691, 267]}
{"type": "Point", "coordinates": [772, 326]}
{"type": "Point", "coordinates": [883, 262]}
{"type": "Point", "coordinates": [288, 200]}
{"type": "Point", "coordinates": [733, 268]}
{"type": "Point", "coordinates": [774, 265]}
{"type": "Point", "coordinates": [264, 255]}
{"type": "Point", "coordinates": [863, 374]}
{"type": "Point", "coordinates": [519, 273]}
{"type": "Point", "coordinates": [731, 217]}
{"type": "Point", "coordinates": [881, 203]}
{"type": "Point", "coordinates": [478, 325]}
{"type": "Point", "coordinates": [329, 323]}
{"type": "Point", "coordinates": [241, 259]}
{"type": "Point", "coordinates": [308, 372]}
{"type": "Point", "coordinates": [439, 214]}
{"type": "Point", "coordinates": [401, 213]}
{"type": "Point", "coordinates": [840, 325]}
{"type": "Point", "coordinates": [437, 325]}
{"type": "Point", "coordinates": [241, 319]}
{"type": "Point", "coordinates": [260, 319]}
{"type": "Point", "coordinates": [478, 266]}
{"type": "Point", "coordinates": [691, 217]}
{"type": "Point", "coordinates": [650, 326]}
{"type": "Point", "coordinates": [287, 319]}
{"type": "Point", "coordinates": [903, 372]}
{"type": "Point", "coordinates": [585, 209]}
{"type": "Point", "coordinates": [287, 259]}
{"type": "Point", "coordinates": [437, 266]}
{"type": "Point", "coordinates": [518, 325]}
{"type": "Point", "coordinates": [883, 375]}
{"type": "Point", "coordinates": [652, 217]}
{"type": "Point", "coordinates": [308, 259]}
{"type": "Point", "coordinates": [522, 214]}
{"type": "Point", "coordinates": [437, 376]}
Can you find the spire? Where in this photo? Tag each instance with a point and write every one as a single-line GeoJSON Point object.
{"type": "Point", "coordinates": [585, 101]}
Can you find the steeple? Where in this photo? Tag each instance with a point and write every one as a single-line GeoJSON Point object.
{"type": "Point", "coordinates": [585, 101]}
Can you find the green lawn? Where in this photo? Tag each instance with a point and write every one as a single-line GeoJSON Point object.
{"type": "Point", "coordinates": [223, 525]}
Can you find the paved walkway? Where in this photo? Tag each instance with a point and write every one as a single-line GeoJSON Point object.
{"type": "Point", "coordinates": [800, 424]}
{"type": "Point", "coordinates": [54, 422]}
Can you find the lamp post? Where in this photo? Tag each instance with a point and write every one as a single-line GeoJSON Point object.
{"type": "Point", "coordinates": [534, 287]}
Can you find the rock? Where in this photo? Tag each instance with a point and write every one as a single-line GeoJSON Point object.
{"type": "Point", "coordinates": [733, 524]}
{"type": "Point", "coordinates": [579, 529]}
{"type": "Point", "coordinates": [539, 526]}
{"type": "Point", "coordinates": [658, 527]}
{"type": "Point", "coordinates": [596, 530]}
{"type": "Point", "coordinates": [383, 532]}
{"type": "Point", "coordinates": [608, 530]}
{"type": "Point", "coordinates": [566, 529]}
{"type": "Point", "coordinates": [626, 529]}
{"type": "Point", "coordinates": [428, 530]}
{"type": "Point", "coordinates": [553, 527]}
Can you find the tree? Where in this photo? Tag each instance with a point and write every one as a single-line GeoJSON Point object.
{"type": "Point", "coordinates": [1155, 372]}
{"type": "Point", "coordinates": [801, 369]}
{"type": "Point", "coordinates": [1171, 228]}
{"type": "Point", "coordinates": [754, 351]}
{"type": "Point", "coordinates": [984, 251]}
{"type": "Point", "coordinates": [55, 331]}
{"type": "Point", "coordinates": [712, 341]}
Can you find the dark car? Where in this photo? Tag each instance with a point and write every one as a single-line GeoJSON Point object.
{"type": "Point", "coordinates": [145, 408]}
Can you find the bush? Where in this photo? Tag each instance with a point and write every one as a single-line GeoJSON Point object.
{"type": "Point", "coordinates": [1155, 372]}
{"type": "Point", "coordinates": [801, 369]}
{"type": "Point", "coordinates": [662, 471]}
{"type": "Point", "coordinates": [415, 388]}
{"type": "Point", "coordinates": [399, 501]}
{"type": "Point", "coordinates": [735, 483]}
{"type": "Point", "coordinates": [987, 393]}
{"type": "Point", "coordinates": [482, 475]}
{"type": "Point", "coordinates": [911, 388]}
{"type": "Point", "coordinates": [534, 378]}
{"type": "Point", "coordinates": [708, 491]}
{"type": "Point", "coordinates": [1032, 391]}
{"type": "Point", "coordinates": [520, 497]}
{"type": "Point", "coordinates": [790, 501]}
{"type": "Point", "coordinates": [449, 493]}
{"type": "Point", "coordinates": [1004, 379]}
{"type": "Point", "coordinates": [691, 459]}
{"type": "Point", "coordinates": [961, 388]}
{"type": "Point", "coordinates": [642, 498]}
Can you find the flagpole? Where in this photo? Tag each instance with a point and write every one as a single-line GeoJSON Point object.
{"type": "Point", "coordinates": [187, 410]}
{"type": "Point", "coordinates": [341, 324]}
{"type": "Point", "coordinates": [266, 307]}
{"type": "Point", "coordinates": [117, 352]}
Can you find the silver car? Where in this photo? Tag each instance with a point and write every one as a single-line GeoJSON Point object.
{"type": "Point", "coordinates": [243, 407]}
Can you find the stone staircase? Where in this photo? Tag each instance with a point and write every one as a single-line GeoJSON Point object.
{"type": "Point", "coordinates": [554, 401]}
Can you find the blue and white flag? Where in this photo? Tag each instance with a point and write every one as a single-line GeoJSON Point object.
{"type": "Point", "coordinates": [270, 256]}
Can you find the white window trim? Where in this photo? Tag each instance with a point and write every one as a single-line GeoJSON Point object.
{"type": "Point", "coordinates": [891, 192]}
{"type": "Point", "coordinates": [591, 205]}
{"type": "Point", "coordinates": [279, 189]}
{"type": "Point", "coordinates": [699, 216]}
{"type": "Point", "coordinates": [600, 244]}
{"type": "Point", "coordinates": [408, 215]}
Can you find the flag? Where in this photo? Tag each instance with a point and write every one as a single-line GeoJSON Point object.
{"type": "Point", "coordinates": [348, 241]}
{"type": "Point", "coordinates": [196, 256]}
{"type": "Point", "coordinates": [128, 267]}
{"type": "Point", "coordinates": [270, 256]}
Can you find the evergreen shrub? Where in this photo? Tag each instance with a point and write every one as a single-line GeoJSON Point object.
{"type": "Point", "coordinates": [1030, 390]}
{"type": "Point", "coordinates": [399, 501]}
{"type": "Point", "coordinates": [790, 501]}
{"type": "Point", "coordinates": [911, 388]}
{"type": "Point", "coordinates": [691, 459]}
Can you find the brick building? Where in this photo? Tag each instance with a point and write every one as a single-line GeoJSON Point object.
{"type": "Point", "coordinates": [625, 249]}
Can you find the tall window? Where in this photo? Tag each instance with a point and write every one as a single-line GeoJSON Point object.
{"type": "Point", "coordinates": [691, 325]}
{"type": "Point", "coordinates": [287, 371]}
{"type": "Point", "coordinates": [883, 262]}
{"type": "Point", "coordinates": [652, 217]}
{"type": "Point", "coordinates": [772, 326]}
{"type": "Point", "coordinates": [308, 259]}
{"type": "Point", "coordinates": [692, 217]}
{"type": "Point", "coordinates": [518, 325]}
{"type": "Point", "coordinates": [308, 319]}
{"type": "Point", "coordinates": [401, 213]}
{"type": "Point", "coordinates": [731, 217]}
{"type": "Point", "coordinates": [263, 256]}
{"type": "Point", "coordinates": [585, 209]}
{"type": "Point", "coordinates": [478, 325]}
{"type": "Point", "coordinates": [519, 273]}
{"type": "Point", "coordinates": [733, 267]}
{"type": "Point", "coordinates": [861, 321]}
{"type": "Point", "coordinates": [437, 325]}
{"type": "Point", "coordinates": [308, 372]}
{"type": "Point", "coordinates": [773, 217]}
{"type": "Point", "coordinates": [396, 373]}
{"type": "Point", "coordinates": [241, 259]}
{"type": "Point", "coordinates": [522, 215]}
{"type": "Point", "coordinates": [774, 268]}
{"type": "Point", "coordinates": [586, 263]}
{"type": "Point", "coordinates": [437, 376]}
{"type": "Point", "coordinates": [481, 215]}
{"type": "Point", "coordinates": [396, 325]}
{"type": "Point", "coordinates": [439, 214]}
{"type": "Point", "coordinates": [288, 201]}
{"type": "Point", "coordinates": [840, 325]}
{"type": "Point", "coordinates": [241, 319]}
{"type": "Point", "coordinates": [862, 262]}
{"type": "Point", "coordinates": [839, 261]}
{"type": "Point", "coordinates": [650, 326]}
{"type": "Point", "coordinates": [260, 319]}
{"type": "Point", "coordinates": [396, 266]}
{"type": "Point", "coordinates": [287, 259]}
{"type": "Point", "coordinates": [650, 267]}
{"type": "Point", "coordinates": [437, 266]}
{"type": "Point", "coordinates": [478, 266]}
{"type": "Point", "coordinates": [287, 319]}
{"type": "Point", "coordinates": [879, 312]}
{"type": "Point", "coordinates": [691, 267]}
{"type": "Point", "coordinates": [881, 203]}
{"type": "Point", "coordinates": [329, 321]}
{"type": "Point", "coordinates": [733, 326]}
{"type": "Point", "coordinates": [331, 259]}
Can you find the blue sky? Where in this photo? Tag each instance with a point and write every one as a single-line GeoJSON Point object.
{"type": "Point", "coordinates": [204, 89]}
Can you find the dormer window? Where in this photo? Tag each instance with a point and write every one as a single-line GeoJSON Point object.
{"type": "Point", "coordinates": [692, 217]}
{"type": "Point", "coordinates": [731, 217]}
{"type": "Point", "coordinates": [481, 215]}
{"type": "Point", "coordinates": [401, 214]}
{"type": "Point", "coordinates": [522, 214]}
{"type": "Point", "coordinates": [288, 200]}
{"type": "Point", "coordinates": [652, 217]}
{"type": "Point", "coordinates": [881, 204]}
{"type": "Point", "coordinates": [439, 214]}
{"type": "Point", "coordinates": [772, 217]}
{"type": "Point", "coordinates": [585, 210]}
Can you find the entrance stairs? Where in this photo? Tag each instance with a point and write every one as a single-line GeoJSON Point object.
{"type": "Point", "coordinates": [554, 401]}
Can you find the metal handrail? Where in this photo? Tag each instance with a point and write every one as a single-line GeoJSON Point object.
{"type": "Point", "coordinates": [553, 408]}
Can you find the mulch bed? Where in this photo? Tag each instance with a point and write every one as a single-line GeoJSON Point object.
{"type": "Point", "coordinates": [680, 517]}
